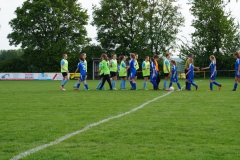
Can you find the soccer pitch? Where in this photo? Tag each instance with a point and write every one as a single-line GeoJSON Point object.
{"type": "Point", "coordinates": [178, 125]}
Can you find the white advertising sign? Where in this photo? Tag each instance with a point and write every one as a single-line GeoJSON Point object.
{"type": "Point", "coordinates": [30, 76]}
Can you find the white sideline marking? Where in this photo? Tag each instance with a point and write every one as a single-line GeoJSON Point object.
{"type": "Point", "coordinates": [36, 149]}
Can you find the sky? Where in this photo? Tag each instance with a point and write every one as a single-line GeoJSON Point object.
{"type": "Point", "coordinates": [9, 6]}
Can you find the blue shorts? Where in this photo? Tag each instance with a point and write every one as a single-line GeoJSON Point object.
{"type": "Point", "coordinates": [132, 74]}
{"type": "Point", "coordinates": [82, 78]}
{"type": "Point", "coordinates": [154, 78]}
{"type": "Point", "coordinates": [174, 79]}
{"type": "Point", "coordinates": [214, 76]}
{"type": "Point", "coordinates": [237, 76]}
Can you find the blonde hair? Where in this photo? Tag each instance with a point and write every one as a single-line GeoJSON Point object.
{"type": "Point", "coordinates": [212, 57]}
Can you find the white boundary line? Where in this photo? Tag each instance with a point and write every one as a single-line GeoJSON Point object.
{"type": "Point", "coordinates": [36, 149]}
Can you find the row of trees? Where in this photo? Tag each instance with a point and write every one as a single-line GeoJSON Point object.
{"type": "Point", "coordinates": [46, 29]}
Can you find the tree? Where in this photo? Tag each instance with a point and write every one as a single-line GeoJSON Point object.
{"type": "Point", "coordinates": [46, 29]}
{"type": "Point", "coordinates": [140, 26]}
{"type": "Point", "coordinates": [215, 33]}
{"type": "Point", "coordinates": [163, 20]}
{"type": "Point", "coordinates": [7, 54]}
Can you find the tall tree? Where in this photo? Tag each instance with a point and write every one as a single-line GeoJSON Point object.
{"type": "Point", "coordinates": [48, 28]}
{"type": "Point", "coordinates": [148, 26]}
{"type": "Point", "coordinates": [215, 32]}
{"type": "Point", "coordinates": [163, 22]}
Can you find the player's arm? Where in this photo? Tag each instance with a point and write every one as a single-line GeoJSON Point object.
{"type": "Point", "coordinates": [197, 68]}
{"type": "Point", "coordinates": [143, 66]}
{"type": "Point", "coordinates": [76, 71]}
{"type": "Point", "coordinates": [205, 68]}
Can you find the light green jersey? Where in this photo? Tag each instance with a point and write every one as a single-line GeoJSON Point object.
{"type": "Point", "coordinates": [122, 72]}
{"type": "Point", "coordinates": [113, 66]}
{"type": "Point", "coordinates": [105, 67]}
{"type": "Point", "coordinates": [166, 65]}
{"type": "Point", "coordinates": [64, 63]}
{"type": "Point", "coordinates": [137, 65]}
{"type": "Point", "coordinates": [146, 68]}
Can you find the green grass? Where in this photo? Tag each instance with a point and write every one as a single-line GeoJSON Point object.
{"type": "Point", "coordinates": [183, 125]}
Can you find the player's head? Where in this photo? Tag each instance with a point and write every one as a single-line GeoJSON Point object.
{"type": "Point", "coordinates": [191, 56]}
{"type": "Point", "coordinates": [104, 57]}
{"type": "Point", "coordinates": [212, 58]}
{"type": "Point", "coordinates": [136, 56]}
{"type": "Point", "coordinates": [151, 59]}
{"type": "Point", "coordinates": [236, 55]}
{"type": "Point", "coordinates": [167, 55]}
{"type": "Point", "coordinates": [122, 58]}
{"type": "Point", "coordinates": [100, 59]}
{"type": "Point", "coordinates": [64, 56]}
{"type": "Point", "coordinates": [132, 55]}
{"type": "Point", "coordinates": [155, 57]}
{"type": "Point", "coordinates": [114, 56]}
{"type": "Point", "coordinates": [146, 58]}
{"type": "Point", "coordinates": [84, 55]}
{"type": "Point", "coordinates": [173, 62]}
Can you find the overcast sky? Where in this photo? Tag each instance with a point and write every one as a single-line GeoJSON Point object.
{"type": "Point", "coordinates": [9, 6]}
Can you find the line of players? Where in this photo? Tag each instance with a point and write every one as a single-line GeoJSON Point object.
{"type": "Point", "coordinates": [150, 69]}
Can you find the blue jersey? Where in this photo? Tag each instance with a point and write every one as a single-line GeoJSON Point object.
{"type": "Point", "coordinates": [132, 65]}
{"type": "Point", "coordinates": [237, 64]}
{"type": "Point", "coordinates": [82, 68]}
{"type": "Point", "coordinates": [191, 73]}
{"type": "Point", "coordinates": [174, 71]}
{"type": "Point", "coordinates": [212, 67]}
{"type": "Point", "coordinates": [152, 67]}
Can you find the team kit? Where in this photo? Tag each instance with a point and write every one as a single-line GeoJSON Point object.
{"type": "Point", "coordinates": [109, 70]}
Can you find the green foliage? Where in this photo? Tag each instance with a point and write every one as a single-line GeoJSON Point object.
{"type": "Point", "coordinates": [215, 33]}
{"type": "Point", "coordinates": [46, 29]}
{"type": "Point", "coordinates": [6, 54]}
{"type": "Point", "coordinates": [139, 26]}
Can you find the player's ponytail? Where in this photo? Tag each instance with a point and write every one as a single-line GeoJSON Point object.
{"type": "Point", "coordinates": [237, 54]}
{"type": "Point", "coordinates": [212, 57]}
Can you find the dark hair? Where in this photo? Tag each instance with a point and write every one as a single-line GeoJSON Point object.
{"type": "Point", "coordinates": [190, 55]}
{"type": "Point", "coordinates": [113, 55]}
{"type": "Point", "coordinates": [121, 58]}
{"type": "Point", "coordinates": [146, 57]}
{"type": "Point", "coordinates": [104, 57]}
{"type": "Point", "coordinates": [100, 59]}
{"type": "Point", "coordinates": [167, 54]}
{"type": "Point", "coordinates": [81, 58]}
{"type": "Point", "coordinates": [155, 56]}
{"type": "Point", "coordinates": [152, 59]}
{"type": "Point", "coordinates": [174, 62]}
{"type": "Point", "coordinates": [132, 55]}
{"type": "Point", "coordinates": [236, 54]}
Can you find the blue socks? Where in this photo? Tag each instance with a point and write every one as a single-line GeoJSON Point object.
{"type": "Point", "coordinates": [131, 83]}
{"type": "Point", "coordinates": [124, 84]}
{"type": "Point", "coordinates": [134, 86]}
{"type": "Point", "coordinates": [86, 86]}
{"type": "Point", "coordinates": [165, 84]}
{"type": "Point", "coordinates": [170, 85]}
{"type": "Point", "coordinates": [144, 85]}
{"type": "Point", "coordinates": [154, 83]}
{"type": "Point", "coordinates": [179, 87]}
{"type": "Point", "coordinates": [113, 84]}
{"type": "Point", "coordinates": [64, 82]}
{"type": "Point", "coordinates": [99, 84]}
{"type": "Point", "coordinates": [121, 84]}
{"type": "Point", "coordinates": [78, 85]}
{"type": "Point", "coordinates": [235, 86]}
{"type": "Point", "coordinates": [211, 86]}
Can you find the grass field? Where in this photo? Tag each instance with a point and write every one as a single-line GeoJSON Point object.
{"type": "Point", "coordinates": [182, 125]}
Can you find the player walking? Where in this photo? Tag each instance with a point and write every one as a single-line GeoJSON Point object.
{"type": "Point", "coordinates": [213, 69]}
{"type": "Point", "coordinates": [237, 70]}
{"type": "Point", "coordinates": [64, 70]}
